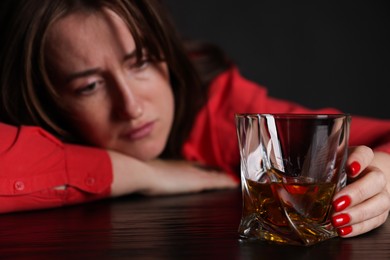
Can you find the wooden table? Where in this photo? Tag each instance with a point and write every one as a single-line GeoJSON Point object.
{"type": "Point", "coordinates": [198, 226]}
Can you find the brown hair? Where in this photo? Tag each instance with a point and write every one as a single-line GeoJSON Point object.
{"type": "Point", "coordinates": [27, 97]}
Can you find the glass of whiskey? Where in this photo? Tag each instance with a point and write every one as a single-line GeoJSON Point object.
{"type": "Point", "coordinates": [291, 167]}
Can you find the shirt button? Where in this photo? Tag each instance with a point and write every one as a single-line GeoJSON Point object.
{"type": "Point", "coordinates": [19, 185]}
{"type": "Point", "coordinates": [90, 181]}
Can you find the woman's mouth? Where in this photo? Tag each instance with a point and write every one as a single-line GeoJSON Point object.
{"type": "Point", "coordinates": [140, 132]}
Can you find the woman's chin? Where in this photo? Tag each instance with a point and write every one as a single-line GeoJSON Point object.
{"type": "Point", "coordinates": [145, 154]}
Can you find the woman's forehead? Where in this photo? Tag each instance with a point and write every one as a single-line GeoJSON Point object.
{"type": "Point", "coordinates": [84, 38]}
{"type": "Point", "coordinates": [82, 24]}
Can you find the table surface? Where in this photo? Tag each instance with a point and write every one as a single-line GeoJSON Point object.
{"type": "Point", "coordinates": [199, 226]}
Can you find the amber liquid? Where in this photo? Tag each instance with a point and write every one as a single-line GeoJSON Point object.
{"type": "Point", "coordinates": [289, 213]}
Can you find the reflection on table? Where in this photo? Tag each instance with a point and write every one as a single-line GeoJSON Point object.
{"type": "Point", "coordinates": [200, 226]}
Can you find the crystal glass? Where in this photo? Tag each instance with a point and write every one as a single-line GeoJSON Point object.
{"type": "Point", "coordinates": [291, 167]}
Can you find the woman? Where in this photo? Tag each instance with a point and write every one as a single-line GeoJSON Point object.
{"type": "Point", "coordinates": [114, 75]}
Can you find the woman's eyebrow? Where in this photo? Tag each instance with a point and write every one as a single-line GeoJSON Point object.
{"type": "Point", "coordinates": [94, 71]}
{"type": "Point", "coordinates": [82, 74]}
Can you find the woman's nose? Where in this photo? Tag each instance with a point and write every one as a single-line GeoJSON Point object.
{"type": "Point", "coordinates": [131, 111]}
{"type": "Point", "coordinates": [131, 107]}
{"type": "Point", "coordinates": [128, 105]}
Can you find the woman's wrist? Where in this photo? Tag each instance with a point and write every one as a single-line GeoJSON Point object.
{"type": "Point", "coordinates": [129, 175]}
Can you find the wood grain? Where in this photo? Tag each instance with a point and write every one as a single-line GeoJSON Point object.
{"type": "Point", "coordinates": [197, 226]}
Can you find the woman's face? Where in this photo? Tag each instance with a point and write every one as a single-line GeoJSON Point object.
{"type": "Point", "coordinates": [113, 101]}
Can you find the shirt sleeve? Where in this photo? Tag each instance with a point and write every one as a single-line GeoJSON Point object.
{"type": "Point", "coordinates": [33, 163]}
{"type": "Point", "coordinates": [213, 140]}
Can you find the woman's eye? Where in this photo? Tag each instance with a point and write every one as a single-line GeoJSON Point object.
{"type": "Point", "coordinates": [141, 65]}
{"type": "Point", "coordinates": [87, 89]}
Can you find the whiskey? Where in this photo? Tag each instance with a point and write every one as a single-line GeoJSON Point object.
{"type": "Point", "coordinates": [287, 212]}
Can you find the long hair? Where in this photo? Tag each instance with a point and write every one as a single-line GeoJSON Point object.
{"type": "Point", "coordinates": [27, 96]}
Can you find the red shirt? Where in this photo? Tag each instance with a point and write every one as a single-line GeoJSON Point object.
{"type": "Point", "coordinates": [213, 140]}
{"type": "Point", "coordinates": [33, 162]}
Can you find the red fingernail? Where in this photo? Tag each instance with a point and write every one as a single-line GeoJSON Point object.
{"type": "Point", "coordinates": [341, 203]}
{"type": "Point", "coordinates": [341, 220]}
{"type": "Point", "coordinates": [344, 231]}
{"type": "Point", "coordinates": [354, 168]}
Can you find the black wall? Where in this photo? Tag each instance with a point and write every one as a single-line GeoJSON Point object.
{"type": "Point", "coordinates": [317, 53]}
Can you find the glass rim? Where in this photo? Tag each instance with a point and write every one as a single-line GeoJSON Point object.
{"type": "Point", "coordinates": [295, 115]}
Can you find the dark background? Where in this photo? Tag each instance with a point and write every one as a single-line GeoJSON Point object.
{"type": "Point", "coordinates": [317, 53]}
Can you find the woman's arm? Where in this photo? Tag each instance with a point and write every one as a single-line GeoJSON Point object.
{"type": "Point", "coordinates": [38, 171]}
{"type": "Point", "coordinates": [160, 177]}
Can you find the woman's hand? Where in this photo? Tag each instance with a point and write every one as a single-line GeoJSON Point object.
{"type": "Point", "coordinates": [161, 177]}
{"type": "Point", "coordinates": [172, 177]}
{"type": "Point", "coordinates": [364, 203]}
